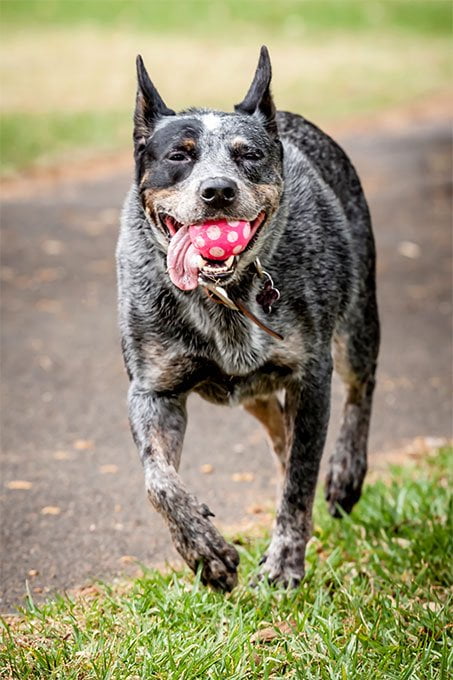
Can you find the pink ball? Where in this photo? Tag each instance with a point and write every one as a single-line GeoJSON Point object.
{"type": "Point", "coordinates": [218, 240]}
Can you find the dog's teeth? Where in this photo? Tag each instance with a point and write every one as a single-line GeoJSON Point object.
{"type": "Point", "coordinates": [229, 262]}
{"type": "Point", "coordinates": [201, 262]}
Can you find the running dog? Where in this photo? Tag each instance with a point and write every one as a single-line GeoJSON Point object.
{"type": "Point", "coordinates": [246, 271]}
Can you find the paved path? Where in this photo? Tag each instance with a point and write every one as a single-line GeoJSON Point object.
{"type": "Point", "coordinates": [64, 424]}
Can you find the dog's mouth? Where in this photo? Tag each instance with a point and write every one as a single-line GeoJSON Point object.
{"type": "Point", "coordinates": [209, 250]}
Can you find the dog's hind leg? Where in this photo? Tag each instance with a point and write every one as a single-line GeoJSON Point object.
{"type": "Point", "coordinates": [355, 350]}
{"type": "Point", "coordinates": [271, 414]}
{"type": "Point", "coordinates": [158, 425]}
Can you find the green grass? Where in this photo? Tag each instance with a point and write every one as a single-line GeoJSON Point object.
{"type": "Point", "coordinates": [333, 59]}
{"type": "Point", "coordinates": [419, 16]}
{"type": "Point", "coordinates": [37, 139]}
{"type": "Point", "coordinates": [375, 603]}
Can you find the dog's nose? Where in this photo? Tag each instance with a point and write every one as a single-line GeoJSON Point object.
{"type": "Point", "coordinates": [218, 192]}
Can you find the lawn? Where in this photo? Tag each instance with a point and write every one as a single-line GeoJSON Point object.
{"type": "Point", "coordinates": [67, 66]}
{"type": "Point", "coordinates": [376, 603]}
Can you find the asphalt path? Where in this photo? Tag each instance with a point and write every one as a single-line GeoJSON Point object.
{"type": "Point", "coordinates": [72, 492]}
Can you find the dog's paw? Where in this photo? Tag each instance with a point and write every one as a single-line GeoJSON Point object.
{"type": "Point", "coordinates": [283, 564]}
{"type": "Point", "coordinates": [344, 484]}
{"type": "Point", "coordinates": [201, 544]}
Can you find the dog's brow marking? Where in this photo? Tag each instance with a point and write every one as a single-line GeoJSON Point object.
{"type": "Point", "coordinates": [239, 142]}
{"type": "Point", "coordinates": [188, 144]}
{"type": "Point", "coordinates": [211, 121]}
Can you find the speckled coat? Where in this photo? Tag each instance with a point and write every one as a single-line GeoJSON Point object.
{"type": "Point", "coordinates": [317, 245]}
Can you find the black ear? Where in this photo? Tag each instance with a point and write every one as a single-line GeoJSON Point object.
{"type": "Point", "coordinates": [259, 99]}
{"type": "Point", "coordinates": [149, 105]}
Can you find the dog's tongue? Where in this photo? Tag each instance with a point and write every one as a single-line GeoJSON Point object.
{"type": "Point", "coordinates": [182, 258]}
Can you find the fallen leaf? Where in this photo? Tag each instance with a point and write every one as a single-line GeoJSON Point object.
{"type": "Point", "coordinates": [207, 469]}
{"type": "Point", "coordinates": [18, 484]}
{"type": "Point", "coordinates": [33, 572]}
{"type": "Point", "coordinates": [49, 306]}
{"type": "Point", "coordinates": [108, 469]}
{"type": "Point", "coordinates": [38, 589]}
{"type": "Point", "coordinates": [45, 362]}
{"type": "Point", "coordinates": [255, 509]}
{"type": "Point", "coordinates": [272, 632]}
{"type": "Point", "coordinates": [88, 591]}
{"type": "Point", "coordinates": [83, 444]}
{"type": "Point", "coordinates": [62, 455]}
{"type": "Point", "coordinates": [36, 344]}
{"type": "Point", "coordinates": [50, 510]}
{"type": "Point", "coordinates": [47, 274]}
{"type": "Point", "coordinates": [409, 249]}
{"type": "Point", "coordinates": [242, 477]}
{"type": "Point", "coordinates": [52, 247]}
{"type": "Point", "coordinates": [127, 559]}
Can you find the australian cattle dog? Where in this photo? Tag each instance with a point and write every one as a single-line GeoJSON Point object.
{"type": "Point", "coordinates": [246, 270]}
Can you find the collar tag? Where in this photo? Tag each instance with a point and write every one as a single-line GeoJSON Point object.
{"type": "Point", "coordinates": [268, 294]}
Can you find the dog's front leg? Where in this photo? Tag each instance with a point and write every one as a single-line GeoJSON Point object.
{"type": "Point", "coordinates": [307, 407]}
{"type": "Point", "coordinates": [158, 424]}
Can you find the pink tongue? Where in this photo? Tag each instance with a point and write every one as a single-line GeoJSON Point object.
{"type": "Point", "coordinates": [181, 260]}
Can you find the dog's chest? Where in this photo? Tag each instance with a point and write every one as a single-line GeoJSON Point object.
{"type": "Point", "coordinates": [222, 388]}
{"type": "Point", "coordinates": [272, 364]}
{"type": "Point", "coordinates": [225, 373]}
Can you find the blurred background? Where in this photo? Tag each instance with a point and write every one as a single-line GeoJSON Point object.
{"type": "Point", "coordinates": [67, 66]}
{"type": "Point", "coordinates": [374, 74]}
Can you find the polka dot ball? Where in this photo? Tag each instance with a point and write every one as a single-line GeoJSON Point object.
{"type": "Point", "coordinates": [220, 239]}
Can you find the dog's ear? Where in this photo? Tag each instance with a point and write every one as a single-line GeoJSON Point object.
{"type": "Point", "coordinates": [259, 98]}
{"type": "Point", "coordinates": [149, 105]}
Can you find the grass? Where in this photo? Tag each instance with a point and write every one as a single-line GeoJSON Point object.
{"type": "Point", "coordinates": [27, 139]}
{"type": "Point", "coordinates": [431, 17]}
{"type": "Point", "coordinates": [375, 603]}
{"type": "Point", "coordinates": [67, 74]}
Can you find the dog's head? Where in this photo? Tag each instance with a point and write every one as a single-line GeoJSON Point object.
{"type": "Point", "coordinates": [209, 182]}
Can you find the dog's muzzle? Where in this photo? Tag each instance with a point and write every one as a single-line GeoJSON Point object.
{"type": "Point", "coordinates": [209, 250]}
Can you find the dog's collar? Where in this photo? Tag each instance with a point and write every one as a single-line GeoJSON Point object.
{"type": "Point", "coordinates": [266, 297]}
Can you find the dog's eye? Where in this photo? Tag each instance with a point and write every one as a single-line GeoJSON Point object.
{"type": "Point", "coordinates": [178, 156]}
{"type": "Point", "coordinates": [253, 155]}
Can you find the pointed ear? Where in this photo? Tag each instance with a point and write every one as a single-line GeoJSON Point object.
{"type": "Point", "coordinates": [259, 99]}
{"type": "Point", "coordinates": [149, 105]}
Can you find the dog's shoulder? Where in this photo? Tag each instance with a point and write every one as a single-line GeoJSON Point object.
{"type": "Point", "coordinates": [326, 156]}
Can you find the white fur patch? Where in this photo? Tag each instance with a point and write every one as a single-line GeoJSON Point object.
{"type": "Point", "coordinates": [211, 121]}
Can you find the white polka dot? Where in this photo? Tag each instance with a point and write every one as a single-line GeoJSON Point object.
{"type": "Point", "coordinates": [232, 236]}
{"type": "Point", "coordinates": [237, 249]}
{"type": "Point", "coordinates": [213, 233]}
{"type": "Point", "coordinates": [200, 241]}
{"type": "Point", "coordinates": [233, 223]}
{"type": "Point", "coordinates": [217, 252]}
{"type": "Point", "coordinates": [246, 230]}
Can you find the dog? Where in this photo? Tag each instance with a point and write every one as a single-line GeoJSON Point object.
{"type": "Point", "coordinates": [258, 320]}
